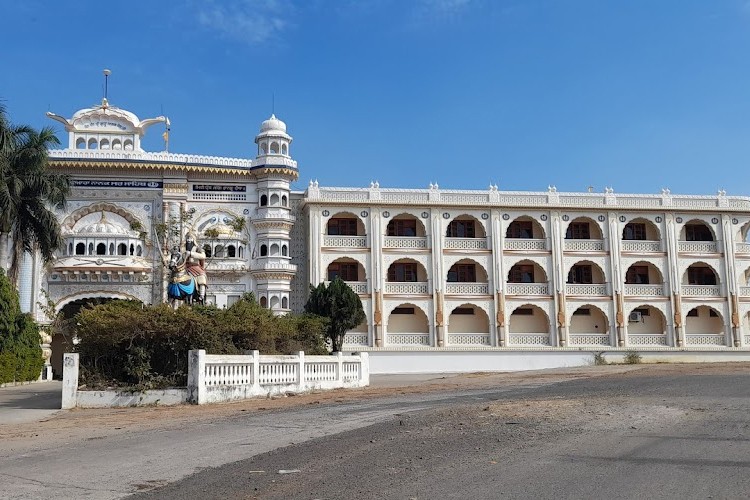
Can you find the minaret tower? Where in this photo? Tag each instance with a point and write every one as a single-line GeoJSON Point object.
{"type": "Point", "coordinates": [273, 221]}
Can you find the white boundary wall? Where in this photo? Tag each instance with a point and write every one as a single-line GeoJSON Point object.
{"type": "Point", "coordinates": [405, 362]}
{"type": "Point", "coordinates": [214, 378]}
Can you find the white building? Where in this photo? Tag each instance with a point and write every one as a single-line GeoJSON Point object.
{"type": "Point", "coordinates": [483, 273]}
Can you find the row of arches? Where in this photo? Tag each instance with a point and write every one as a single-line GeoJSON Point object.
{"type": "Point", "coordinates": [273, 147]}
{"type": "Point", "coordinates": [529, 318]}
{"type": "Point", "coordinates": [275, 302]}
{"type": "Point", "coordinates": [523, 227]}
{"type": "Point", "coordinates": [274, 250]}
{"type": "Point", "coordinates": [221, 251]}
{"type": "Point", "coordinates": [119, 249]}
{"type": "Point", "coordinates": [115, 144]}
{"type": "Point", "coordinates": [274, 200]}
{"type": "Point", "coordinates": [524, 271]}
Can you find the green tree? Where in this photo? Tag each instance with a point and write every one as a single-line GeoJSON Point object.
{"type": "Point", "coordinates": [340, 305]}
{"type": "Point", "coordinates": [20, 353]}
{"type": "Point", "coordinates": [27, 191]}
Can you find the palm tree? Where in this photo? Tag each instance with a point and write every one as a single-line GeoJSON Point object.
{"type": "Point", "coordinates": [27, 191]}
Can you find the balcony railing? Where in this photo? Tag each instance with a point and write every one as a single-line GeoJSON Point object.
{"type": "Point", "coordinates": [705, 339]}
{"type": "Point", "coordinates": [641, 246]}
{"type": "Point", "coordinates": [527, 289]}
{"type": "Point", "coordinates": [697, 246]}
{"type": "Point", "coordinates": [418, 242]}
{"type": "Point", "coordinates": [264, 264]}
{"type": "Point", "coordinates": [656, 290]}
{"type": "Point", "coordinates": [742, 247]}
{"type": "Point", "coordinates": [359, 287]}
{"type": "Point", "coordinates": [587, 289]}
{"type": "Point", "coordinates": [406, 288]}
{"type": "Point", "coordinates": [524, 244]}
{"type": "Point", "coordinates": [528, 339]}
{"type": "Point", "coordinates": [407, 339]}
{"type": "Point", "coordinates": [586, 339]}
{"type": "Point", "coordinates": [345, 241]}
{"type": "Point", "coordinates": [467, 288]}
{"type": "Point", "coordinates": [468, 339]}
{"type": "Point", "coordinates": [275, 214]}
{"type": "Point", "coordinates": [466, 243]}
{"type": "Point", "coordinates": [701, 290]}
{"type": "Point", "coordinates": [584, 245]}
{"type": "Point", "coordinates": [647, 339]}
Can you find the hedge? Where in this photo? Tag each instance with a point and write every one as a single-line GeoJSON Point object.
{"type": "Point", "coordinates": [20, 353]}
{"type": "Point", "coordinates": [124, 343]}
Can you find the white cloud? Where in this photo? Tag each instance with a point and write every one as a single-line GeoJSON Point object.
{"type": "Point", "coordinates": [250, 21]}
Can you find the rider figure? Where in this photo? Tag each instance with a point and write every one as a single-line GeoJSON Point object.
{"type": "Point", "coordinates": [195, 262]}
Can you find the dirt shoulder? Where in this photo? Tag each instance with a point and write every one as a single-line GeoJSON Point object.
{"type": "Point", "coordinates": [79, 424]}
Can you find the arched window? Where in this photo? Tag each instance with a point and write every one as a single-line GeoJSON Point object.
{"type": "Point", "coordinates": [132, 249]}
{"type": "Point", "coordinates": [117, 144]}
{"type": "Point", "coordinates": [274, 200]}
{"type": "Point", "coordinates": [92, 143]}
{"type": "Point", "coordinates": [263, 200]}
{"type": "Point", "coordinates": [219, 251]}
{"type": "Point", "coordinates": [104, 144]}
{"type": "Point", "coordinates": [122, 249]}
{"type": "Point", "coordinates": [111, 249]}
{"type": "Point", "coordinates": [263, 148]}
{"type": "Point", "coordinates": [139, 251]}
{"type": "Point", "coordinates": [91, 249]}
{"type": "Point", "coordinates": [207, 250]}
{"type": "Point", "coordinates": [275, 148]}
{"type": "Point", "coordinates": [263, 302]}
{"type": "Point", "coordinates": [274, 250]}
{"type": "Point", "coordinates": [80, 248]}
{"type": "Point", "coordinates": [283, 151]}
{"type": "Point", "coordinates": [263, 250]}
{"type": "Point", "coordinates": [241, 252]}
{"type": "Point", "coordinates": [231, 251]}
{"type": "Point", "coordinates": [80, 143]}
{"type": "Point", "coordinates": [284, 303]}
{"type": "Point", "coordinates": [284, 250]}
{"type": "Point", "coordinates": [128, 145]}
{"type": "Point", "coordinates": [274, 302]}
{"type": "Point", "coordinates": [70, 248]}
{"type": "Point", "coordinates": [284, 201]}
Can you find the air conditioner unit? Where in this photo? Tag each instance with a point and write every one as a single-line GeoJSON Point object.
{"type": "Point", "coordinates": [634, 317]}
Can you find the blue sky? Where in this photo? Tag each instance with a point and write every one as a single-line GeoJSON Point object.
{"type": "Point", "coordinates": [633, 94]}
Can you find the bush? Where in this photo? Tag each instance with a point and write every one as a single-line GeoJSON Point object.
{"type": "Point", "coordinates": [20, 353]}
{"type": "Point", "coordinates": [599, 359]}
{"type": "Point", "coordinates": [125, 343]}
{"type": "Point", "coordinates": [632, 358]}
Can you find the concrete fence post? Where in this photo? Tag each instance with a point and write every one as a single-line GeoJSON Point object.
{"type": "Point", "coordinates": [340, 368]}
{"type": "Point", "coordinates": [301, 382]}
{"type": "Point", "coordinates": [256, 372]}
{"type": "Point", "coordinates": [70, 381]}
{"type": "Point", "coordinates": [364, 360]}
{"type": "Point", "coordinates": [196, 384]}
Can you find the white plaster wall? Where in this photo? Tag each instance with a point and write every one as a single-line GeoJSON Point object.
{"type": "Point", "coordinates": [469, 323]}
{"type": "Point", "coordinates": [704, 322]}
{"type": "Point", "coordinates": [595, 323]}
{"type": "Point", "coordinates": [408, 323]}
{"type": "Point", "coordinates": [536, 323]}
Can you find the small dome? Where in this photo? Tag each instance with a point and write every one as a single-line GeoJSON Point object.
{"type": "Point", "coordinates": [273, 124]}
{"type": "Point", "coordinates": [105, 227]}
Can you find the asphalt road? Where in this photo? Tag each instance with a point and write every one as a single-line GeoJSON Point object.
{"type": "Point", "coordinates": [644, 434]}
{"type": "Point", "coordinates": [600, 432]}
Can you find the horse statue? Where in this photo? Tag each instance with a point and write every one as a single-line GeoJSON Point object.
{"type": "Point", "coordinates": [182, 285]}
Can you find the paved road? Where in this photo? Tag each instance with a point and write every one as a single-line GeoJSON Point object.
{"type": "Point", "coordinates": [637, 435]}
{"type": "Point", "coordinates": [650, 432]}
{"type": "Point", "coordinates": [30, 403]}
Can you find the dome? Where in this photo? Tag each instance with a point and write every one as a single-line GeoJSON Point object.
{"type": "Point", "coordinates": [104, 227]}
{"type": "Point", "coordinates": [273, 124]}
{"type": "Point", "coordinates": [103, 115]}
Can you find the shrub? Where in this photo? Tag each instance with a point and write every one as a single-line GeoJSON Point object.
{"type": "Point", "coordinates": [632, 358]}
{"type": "Point", "coordinates": [599, 359]}
{"type": "Point", "coordinates": [20, 353]}
{"type": "Point", "coordinates": [125, 343]}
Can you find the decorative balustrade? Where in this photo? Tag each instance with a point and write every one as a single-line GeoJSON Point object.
{"type": "Point", "coordinates": [356, 339]}
{"type": "Point", "coordinates": [641, 246]}
{"type": "Point", "coordinates": [745, 291]}
{"type": "Point", "coordinates": [528, 339]}
{"type": "Point", "coordinates": [418, 242]}
{"type": "Point", "coordinates": [588, 339]}
{"type": "Point", "coordinates": [345, 241]}
{"type": "Point", "coordinates": [747, 340]}
{"type": "Point", "coordinates": [587, 289]}
{"type": "Point", "coordinates": [524, 244]}
{"type": "Point", "coordinates": [705, 339]}
{"type": "Point", "coordinates": [467, 288]}
{"type": "Point", "coordinates": [466, 243]}
{"type": "Point", "coordinates": [527, 289]}
{"type": "Point", "coordinates": [584, 245]}
{"type": "Point", "coordinates": [270, 265]}
{"type": "Point", "coordinates": [647, 339]}
{"type": "Point", "coordinates": [468, 339]}
{"type": "Point", "coordinates": [407, 339]}
{"type": "Point", "coordinates": [701, 290]}
{"type": "Point", "coordinates": [406, 288]}
{"type": "Point", "coordinates": [742, 247]}
{"type": "Point", "coordinates": [697, 246]}
{"type": "Point", "coordinates": [358, 287]}
{"type": "Point", "coordinates": [644, 290]}
{"type": "Point", "coordinates": [273, 213]}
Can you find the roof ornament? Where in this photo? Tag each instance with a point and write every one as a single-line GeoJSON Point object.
{"type": "Point", "coordinates": [609, 190]}
{"type": "Point", "coordinates": [552, 188]}
{"type": "Point", "coordinates": [721, 192]}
